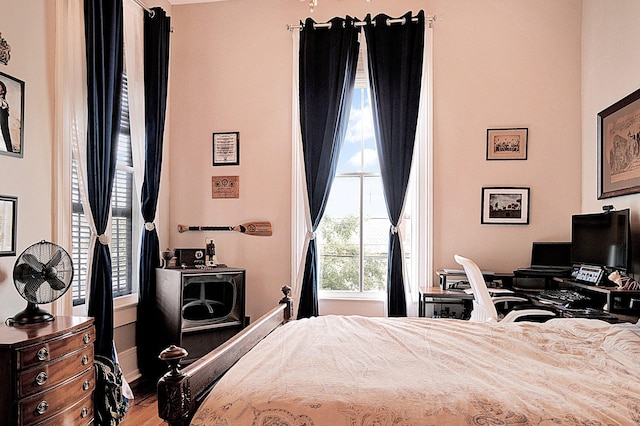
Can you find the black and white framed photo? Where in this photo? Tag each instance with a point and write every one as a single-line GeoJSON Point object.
{"type": "Point", "coordinates": [505, 206]}
{"type": "Point", "coordinates": [226, 149]}
{"type": "Point", "coordinates": [507, 144]}
{"type": "Point", "coordinates": [8, 216]}
{"type": "Point", "coordinates": [11, 116]}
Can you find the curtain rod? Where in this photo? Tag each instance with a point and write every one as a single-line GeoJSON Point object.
{"type": "Point", "coordinates": [144, 6]}
{"type": "Point", "coordinates": [429, 19]}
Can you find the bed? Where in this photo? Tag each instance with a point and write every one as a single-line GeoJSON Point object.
{"type": "Point", "coordinates": [351, 370]}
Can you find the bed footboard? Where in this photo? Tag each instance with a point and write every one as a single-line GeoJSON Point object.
{"type": "Point", "coordinates": [181, 390]}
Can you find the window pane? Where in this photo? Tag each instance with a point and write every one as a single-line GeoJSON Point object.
{"type": "Point", "coordinates": [375, 230]}
{"type": "Point", "coordinates": [121, 233]}
{"type": "Point", "coordinates": [358, 152]}
{"type": "Point", "coordinates": [338, 237]}
{"type": "Point", "coordinates": [121, 220]}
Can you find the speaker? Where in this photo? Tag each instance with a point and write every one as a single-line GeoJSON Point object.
{"type": "Point", "coordinates": [189, 257]}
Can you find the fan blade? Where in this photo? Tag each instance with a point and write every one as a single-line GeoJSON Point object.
{"type": "Point", "coordinates": [54, 260]}
{"type": "Point", "coordinates": [33, 262]}
{"type": "Point", "coordinates": [32, 287]}
{"type": "Point", "coordinates": [24, 272]}
{"type": "Point", "coordinates": [56, 283]}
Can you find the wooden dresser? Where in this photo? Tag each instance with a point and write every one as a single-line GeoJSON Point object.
{"type": "Point", "coordinates": [46, 372]}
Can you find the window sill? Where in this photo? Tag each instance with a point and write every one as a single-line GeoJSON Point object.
{"type": "Point", "coordinates": [124, 302]}
{"type": "Point", "coordinates": [125, 310]}
{"type": "Point", "coordinates": [352, 296]}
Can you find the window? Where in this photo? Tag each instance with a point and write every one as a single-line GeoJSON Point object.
{"type": "Point", "coordinates": [353, 236]}
{"type": "Point", "coordinates": [122, 219]}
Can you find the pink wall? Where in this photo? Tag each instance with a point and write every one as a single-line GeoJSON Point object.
{"type": "Point", "coordinates": [497, 64]}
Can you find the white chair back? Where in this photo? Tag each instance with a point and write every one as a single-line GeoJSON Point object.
{"type": "Point", "coordinates": [483, 308]}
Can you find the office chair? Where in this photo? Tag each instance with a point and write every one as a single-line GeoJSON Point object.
{"type": "Point", "coordinates": [484, 306]}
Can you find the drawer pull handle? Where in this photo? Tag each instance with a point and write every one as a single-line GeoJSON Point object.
{"type": "Point", "coordinates": [85, 360]}
{"type": "Point", "coordinates": [86, 338]}
{"type": "Point", "coordinates": [41, 378]}
{"type": "Point", "coordinates": [42, 407]}
{"type": "Point", "coordinates": [84, 413]}
{"type": "Point", "coordinates": [86, 385]}
{"type": "Point", "coordinates": [42, 354]}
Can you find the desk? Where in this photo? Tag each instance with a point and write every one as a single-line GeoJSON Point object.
{"type": "Point", "coordinates": [505, 277]}
{"type": "Point", "coordinates": [436, 295]}
{"type": "Point", "coordinates": [548, 277]}
{"type": "Point", "coordinates": [612, 299]}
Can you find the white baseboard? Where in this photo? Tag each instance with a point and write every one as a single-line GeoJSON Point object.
{"type": "Point", "coordinates": [128, 360]}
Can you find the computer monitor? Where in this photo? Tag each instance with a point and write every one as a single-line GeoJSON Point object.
{"type": "Point", "coordinates": [555, 254]}
{"type": "Point", "coordinates": [601, 239]}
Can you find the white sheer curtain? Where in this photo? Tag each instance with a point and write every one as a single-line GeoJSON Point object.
{"type": "Point", "coordinates": [71, 121]}
{"type": "Point", "coordinates": [421, 270]}
{"type": "Point", "coordinates": [301, 232]}
{"type": "Point", "coordinates": [134, 65]}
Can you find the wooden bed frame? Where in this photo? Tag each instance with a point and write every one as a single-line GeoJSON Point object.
{"type": "Point", "coordinates": [180, 391]}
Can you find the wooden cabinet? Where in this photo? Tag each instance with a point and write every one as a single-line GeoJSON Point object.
{"type": "Point", "coordinates": [199, 309]}
{"type": "Point", "coordinates": [47, 372]}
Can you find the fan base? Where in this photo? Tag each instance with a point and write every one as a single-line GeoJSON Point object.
{"type": "Point", "coordinates": [32, 314]}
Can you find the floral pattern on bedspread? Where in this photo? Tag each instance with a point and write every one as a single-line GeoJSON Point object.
{"type": "Point", "coordinates": [356, 371]}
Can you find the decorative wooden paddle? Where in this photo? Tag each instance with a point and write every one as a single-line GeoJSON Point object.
{"type": "Point", "coordinates": [261, 228]}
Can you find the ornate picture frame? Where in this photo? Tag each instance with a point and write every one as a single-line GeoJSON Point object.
{"type": "Point", "coordinates": [505, 205]}
{"type": "Point", "coordinates": [11, 116]}
{"type": "Point", "coordinates": [8, 226]}
{"type": "Point", "coordinates": [508, 143]}
{"type": "Point", "coordinates": [619, 148]}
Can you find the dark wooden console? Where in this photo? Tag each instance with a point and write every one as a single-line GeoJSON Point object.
{"type": "Point", "coordinates": [199, 309]}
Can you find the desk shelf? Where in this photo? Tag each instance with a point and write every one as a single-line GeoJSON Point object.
{"type": "Point", "coordinates": [614, 300]}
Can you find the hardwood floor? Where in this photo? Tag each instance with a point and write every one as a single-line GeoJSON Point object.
{"type": "Point", "coordinates": [143, 410]}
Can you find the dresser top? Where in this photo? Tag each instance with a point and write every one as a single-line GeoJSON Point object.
{"type": "Point", "coordinates": [13, 335]}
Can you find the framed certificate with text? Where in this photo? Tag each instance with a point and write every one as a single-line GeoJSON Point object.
{"type": "Point", "coordinates": [226, 149]}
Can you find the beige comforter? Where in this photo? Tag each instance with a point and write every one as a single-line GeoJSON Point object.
{"type": "Point", "coordinates": [340, 370]}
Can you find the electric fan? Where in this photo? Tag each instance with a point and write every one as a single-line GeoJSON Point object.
{"type": "Point", "coordinates": [42, 274]}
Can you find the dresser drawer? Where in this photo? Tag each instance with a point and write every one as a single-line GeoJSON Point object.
{"type": "Point", "coordinates": [80, 414]}
{"type": "Point", "coordinates": [41, 406]}
{"type": "Point", "coordinates": [34, 355]}
{"type": "Point", "coordinates": [47, 375]}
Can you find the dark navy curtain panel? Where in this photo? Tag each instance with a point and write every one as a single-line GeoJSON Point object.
{"type": "Point", "coordinates": [395, 56]}
{"type": "Point", "coordinates": [156, 73]}
{"type": "Point", "coordinates": [328, 59]}
{"type": "Point", "coordinates": [104, 46]}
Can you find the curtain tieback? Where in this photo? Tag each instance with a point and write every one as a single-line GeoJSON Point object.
{"type": "Point", "coordinates": [104, 239]}
{"type": "Point", "coordinates": [311, 235]}
{"type": "Point", "coordinates": [149, 226]}
{"type": "Point", "coordinates": [394, 229]}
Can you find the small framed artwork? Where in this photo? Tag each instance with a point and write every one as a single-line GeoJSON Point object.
{"type": "Point", "coordinates": [505, 206]}
{"type": "Point", "coordinates": [226, 149]}
{"type": "Point", "coordinates": [619, 148]}
{"type": "Point", "coordinates": [11, 115]}
{"type": "Point", "coordinates": [8, 215]}
{"type": "Point", "coordinates": [507, 144]}
{"type": "Point", "coordinates": [225, 187]}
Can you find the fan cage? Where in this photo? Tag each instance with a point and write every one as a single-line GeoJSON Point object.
{"type": "Point", "coordinates": [34, 285]}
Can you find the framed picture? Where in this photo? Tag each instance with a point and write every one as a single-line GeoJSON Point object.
{"type": "Point", "coordinates": [507, 144]}
{"type": "Point", "coordinates": [226, 149]}
{"type": "Point", "coordinates": [11, 115]}
{"type": "Point", "coordinates": [505, 206]}
{"type": "Point", "coordinates": [8, 215]}
{"type": "Point", "coordinates": [619, 148]}
{"type": "Point", "coordinates": [225, 187]}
